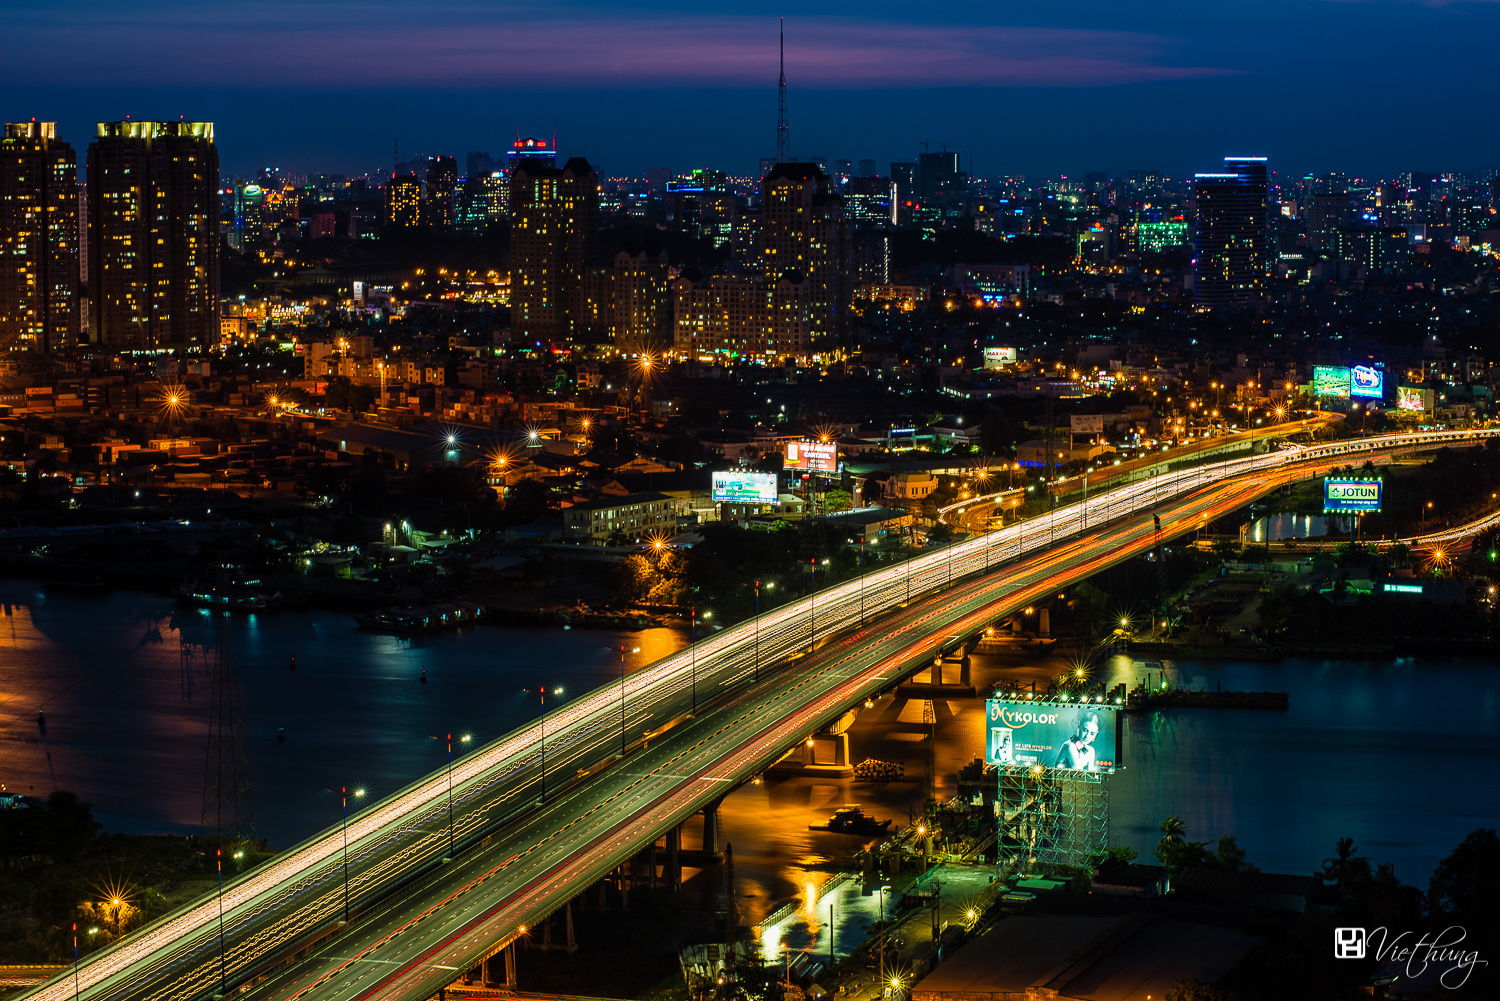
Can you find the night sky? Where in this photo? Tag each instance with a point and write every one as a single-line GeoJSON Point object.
{"type": "Point", "coordinates": [326, 85]}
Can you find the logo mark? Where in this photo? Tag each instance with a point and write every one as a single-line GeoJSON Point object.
{"type": "Point", "coordinates": [1348, 943]}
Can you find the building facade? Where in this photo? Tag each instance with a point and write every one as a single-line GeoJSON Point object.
{"type": "Point", "coordinates": [554, 234]}
{"type": "Point", "coordinates": [403, 202]}
{"type": "Point", "coordinates": [804, 230]}
{"type": "Point", "coordinates": [741, 318]}
{"type": "Point", "coordinates": [1231, 239]}
{"type": "Point", "coordinates": [39, 238]}
{"type": "Point", "coordinates": [442, 186]}
{"type": "Point", "coordinates": [153, 236]}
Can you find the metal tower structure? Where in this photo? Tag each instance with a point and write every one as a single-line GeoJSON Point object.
{"type": "Point", "coordinates": [1051, 817]}
{"type": "Point", "coordinates": [228, 809]}
{"type": "Point", "coordinates": [783, 131]}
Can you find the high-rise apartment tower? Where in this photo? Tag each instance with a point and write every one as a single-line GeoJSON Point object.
{"type": "Point", "coordinates": [153, 239]}
{"type": "Point", "coordinates": [554, 233]}
{"type": "Point", "coordinates": [39, 256]}
{"type": "Point", "coordinates": [1231, 239]}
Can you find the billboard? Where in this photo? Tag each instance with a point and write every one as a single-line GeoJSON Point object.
{"type": "Point", "coordinates": [1366, 381]}
{"type": "Point", "coordinates": [1351, 496]}
{"type": "Point", "coordinates": [1086, 423]}
{"type": "Point", "coordinates": [1413, 398]}
{"type": "Point", "coordinates": [744, 488]}
{"type": "Point", "coordinates": [1328, 381]}
{"type": "Point", "coordinates": [820, 456]}
{"type": "Point", "coordinates": [1064, 735]}
{"type": "Point", "coordinates": [1000, 357]}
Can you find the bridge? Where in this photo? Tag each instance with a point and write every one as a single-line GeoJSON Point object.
{"type": "Point", "coordinates": [542, 813]}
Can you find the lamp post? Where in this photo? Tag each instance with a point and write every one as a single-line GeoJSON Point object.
{"type": "Point", "coordinates": [223, 976]}
{"type": "Point", "coordinates": [464, 739]}
{"type": "Point", "coordinates": [622, 696]}
{"type": "Point", "coordinates": [861, 580]}
{"type": "Point", "coordinates": [542, 698]}
{"type": "Point", "coordinates": [693, 660]}
{"type": "Point", "coordinates": [812, 600]}
{"type": "Point", "coordinates": [344, 796]}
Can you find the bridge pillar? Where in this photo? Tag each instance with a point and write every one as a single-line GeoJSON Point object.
{"type": "Point", "coordinates": [1044, 622]}
{"type": "Point", "coordinates": [570, 943]}
{"type": "Point", "coordinates": [651, 865]}
{"type": "Point", "coordinates": [711, 827]}
{"type": "Point", "coordinates": [510, 966]}
{"type": "Point", "coordinates": [965, 676]}
{"type": "Point", "coordinates": [937, 670]}
{"type": "Point", "coordinates": [673, 874]}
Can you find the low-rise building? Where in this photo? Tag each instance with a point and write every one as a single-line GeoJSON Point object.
{"type": "Point", "coordinates": [632, 518]}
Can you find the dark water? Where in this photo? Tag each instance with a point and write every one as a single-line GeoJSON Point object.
{"type": "Point", "coordinates": [124, 680]}
{"type": "Point", "coordinates": [1403, 756]}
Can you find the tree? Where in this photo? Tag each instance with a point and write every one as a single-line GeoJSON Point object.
{"type": "Point", "coordinates": [1466, 884]}
{"type": "Point", "coordinates": [1194, 990]}
{"type": "Point", "coordinates": [837, 500]}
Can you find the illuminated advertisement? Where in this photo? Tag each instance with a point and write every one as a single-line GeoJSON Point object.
{"type": "Point", "coordinates": [1078, 737]}
{"type": "Point", "coordinates": [1413, 398]}
{"type": "Point", "coordinates": [744, 488]}
{"type": "Point", "coordinates": [1351, 496]}
{"type": "Point", "coordinates": [819, 456]}
{"type": "Point", "coordinates": [1366, 381]}
{"type": "Point", "coordinates": [1328, 381]}
{"type": "Point", "coordinates": [1000, 357]}
{"type": "Point", "coordinates": [1086, 423]}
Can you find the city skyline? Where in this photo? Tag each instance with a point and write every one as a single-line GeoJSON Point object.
{"type": "Point", "coordinates": [327, 86]}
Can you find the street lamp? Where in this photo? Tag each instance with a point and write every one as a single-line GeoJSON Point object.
{"type": "Point", "coordinates": [622, 695]}
{"type": "Point", "coordinates": [344, 797]}
{"type": "Point", "coordinates": [464, 739]}
{"type": "Point", "coordinates": [542, 694]}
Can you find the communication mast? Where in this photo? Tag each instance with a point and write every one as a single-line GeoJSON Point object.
{"type": "Point", "coordinates": [783, 130]}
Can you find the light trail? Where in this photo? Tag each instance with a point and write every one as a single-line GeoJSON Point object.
{"type": "Point", "coordinates": [292, 899]}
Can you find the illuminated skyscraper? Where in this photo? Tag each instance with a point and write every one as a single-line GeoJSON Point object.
{"type": "Point", "coordinates": [1231, 238]}
{"type": "Point", "coordinates": [153, 234]}
{"type": "Point", "coordinates": [804, 230]}
{"type": "Point", "coordinates": [442, 183]}
{"type": "Point", "coordinates": [38, 238]}
{"type": "Point", "coordinates": [554, 232]}
{"type": "Point", "coordinates": [403, 201]}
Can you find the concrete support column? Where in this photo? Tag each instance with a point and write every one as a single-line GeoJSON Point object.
{"type": "Point", "coordinates": [711, 826]}
{"type": "Point", "coordinates": [1044, 622]}
{"type": "Point", "coordinates": [673, 874]}
{"type": "Point", "coordinates": [510, 966]}
{"type": "Point", "coordinates": [571, 943]}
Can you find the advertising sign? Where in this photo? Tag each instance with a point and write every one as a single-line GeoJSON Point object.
{"type": "Point", "coordinates": [1413, 398]}
{"type": "Point", "coordinates": [744, 488]}
{"type": "Point", "coordinates": [1000, 357]}
{"type": "Point", "coordinates": [820, 456]}
{"type": "Point", "coordinates": [1366, 381]}
{"type": "Point", "coordinates": [1351, 496]}
{"type": "Point", "coordinates": [1087, 423]}
{"type": "Point", "coordinates": [1332, 382]}
{"type": "Point", "coordinates": [1082, 737]}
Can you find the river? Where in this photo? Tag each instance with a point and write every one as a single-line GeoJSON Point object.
{"type": "Point", "coordinates": [1402, 755]}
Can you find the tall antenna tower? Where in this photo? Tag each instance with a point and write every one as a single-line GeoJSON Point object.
{"type": "Point", "coordinates": [783, 131]}
{"type": "Point", "coordinates": [228, 809]}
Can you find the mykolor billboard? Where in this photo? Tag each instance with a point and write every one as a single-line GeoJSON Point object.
{"type": "Point", "coordinates": [1366, 381]}
{"type": "Point", "coordinates": [1082, 737]}
{"type": "Point", "coordinates": [1329, 381]}
{"type": "Point", "coordinates": [1351, 496]}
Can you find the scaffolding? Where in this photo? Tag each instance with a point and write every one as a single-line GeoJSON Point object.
{"type": "Point", "coordinates": [1050, 817]}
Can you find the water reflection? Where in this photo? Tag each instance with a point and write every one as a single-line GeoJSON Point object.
{"type": "Point", "coordinates": [1275, 527]}
{"type": "Point", "coordinates": [124, 677]}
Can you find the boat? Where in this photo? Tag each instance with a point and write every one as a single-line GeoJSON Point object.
{"type": "Point", "coordinates": [420, 618]}
{"type": "Point", "coordinates": [850, 819]}
{"type": "Point", "coordinates": [244, 596]}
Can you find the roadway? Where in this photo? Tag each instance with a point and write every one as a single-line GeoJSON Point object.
{"type": "Point", "coordinates": [487, 899]}
{"type": "Point", "coordinates": [398, 846]}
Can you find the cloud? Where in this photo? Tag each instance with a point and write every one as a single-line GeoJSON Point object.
{"type": "Point", "coordinates": [412, 46]}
